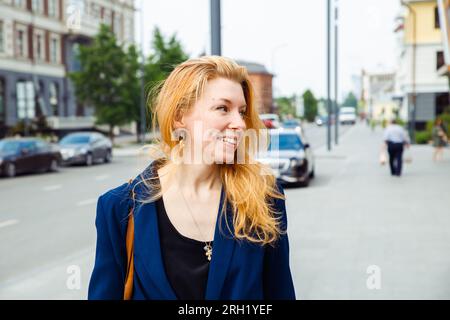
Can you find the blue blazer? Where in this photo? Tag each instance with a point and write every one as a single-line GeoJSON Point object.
{"type": "Point", "coordinates": [239, 270]}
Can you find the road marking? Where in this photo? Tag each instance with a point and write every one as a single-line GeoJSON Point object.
{"type": "Point", "coordinates": [86, 202]}
{"type": "Point", "coordinates": [51, 188]}
{"type": "Point", "coordinates": [102, 177]}
{"type": "Point", "coordinates": [8, 223]}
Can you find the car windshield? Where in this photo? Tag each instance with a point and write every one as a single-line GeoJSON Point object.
{"type": "Point", "coordinates": [74, 139]}
{"type": "Point", "coordinates": [285, 142]}
{"type": "Point", "coordinates": [9, 146]}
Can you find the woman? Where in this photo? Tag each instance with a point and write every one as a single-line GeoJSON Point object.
{"type": "Point", "coordinates": [439, 139]}
{"type": "Point", "coordinates": [208, 223]}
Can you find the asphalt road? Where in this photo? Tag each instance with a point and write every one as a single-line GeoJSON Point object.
{"type": "Point", "coordinates": [47, 222]}
{"type": "Point", "coordinates": [353, 217]}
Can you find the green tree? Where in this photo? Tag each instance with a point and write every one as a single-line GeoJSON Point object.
{"type": "Point", "coordinates": [350, 101]}
{"type": "Point", "coordinates": [101, 82]}
{"type": "Point", "coordinates": [286, 106]}
{"type": "Point", "coordinates": [310, 105]}
{"type": "Point", "coordinates": [164, 58]}
{"type": "Point", "coordinates": [132, 86]}
{"type": "Point", "coordinates": [166, 55]}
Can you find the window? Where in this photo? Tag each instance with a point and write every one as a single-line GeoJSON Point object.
{"type": "Point", "coordinates": [41, 145]}
{"type": "Point", "coordinates": [21, 41]}
{"type": "Point", "coordinates": [39, 45]}
{"type": "Point", "coordinates": [37, 6]}
{"type": "Point", "coordinates": [54, 49]}
{"type": "Point", "coordinates": [118, 28]}
{"type": "Point", "coordinates": [20, 4]}
{"type": "Point", "coordinates": [2, 37]}
{"type": "Point", "coordinates": [95, 11]}
{"type": "Point", "coordinates": [440, 61]}
{"type": "Point", "coordinates": [53, 8]}
{"type": "Point", "coordinates": [107, 17]}
{"type": "Point", "coordinates": [53, 91]}
{"type": "Point", "coordinates": [25, 100]}
{"type": "Point", "coordinates": [436, 18]}
{"type": "Point", "coordinates": [2, 101]}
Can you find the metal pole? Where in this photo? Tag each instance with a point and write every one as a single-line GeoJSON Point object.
{"type": "Point", "coordinates": [328, 79]}
{"type": "Point", "coordinates": [336, 104]}
{"type": "Point", "coordinates": [142, 102]}
{"type": "Point", "coordinates": [216, 41]}
{"type": "Point", "coordinates": [412, 105]}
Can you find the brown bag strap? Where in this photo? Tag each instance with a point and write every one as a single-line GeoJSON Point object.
{"type": "Point", "coordinates": [128, 290]}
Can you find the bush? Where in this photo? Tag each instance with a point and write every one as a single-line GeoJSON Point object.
{"type": "Point", "coordinates": [423, 137]}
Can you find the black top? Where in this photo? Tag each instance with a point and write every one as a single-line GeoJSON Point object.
{"type": "Point", "coordinates": [185, 262]}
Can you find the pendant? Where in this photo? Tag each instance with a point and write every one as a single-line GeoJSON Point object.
{"type": "Point", "coordinates": [208, 251]}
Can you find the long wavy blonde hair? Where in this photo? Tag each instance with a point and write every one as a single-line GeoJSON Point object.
{"type": "Point", "coordinates": [250, 193]}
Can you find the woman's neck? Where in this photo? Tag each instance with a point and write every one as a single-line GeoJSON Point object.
{"type": "Point", "coordinates": [196, 180]}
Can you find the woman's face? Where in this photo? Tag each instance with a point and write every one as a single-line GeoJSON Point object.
{"type": "Point", "coordinates": [215, 123]}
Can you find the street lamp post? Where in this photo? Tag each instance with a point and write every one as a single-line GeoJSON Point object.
{"type": "Point", "coordinates": [412, 106]}
{"type": "Point", "coordinates": [328, 79]}
{"type": "Point", "coordinates": [336, 105]}
{"type": "Point", "coordinates": [216, 41]}
{"type": "Point", "coordinates": [142, 101]}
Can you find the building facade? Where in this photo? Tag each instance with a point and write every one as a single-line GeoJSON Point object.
{"type": "Point", "coordinates": [444, 18]}
{"type": "Point", "coordinates": [378, 89]}
{"type": "Point", "coordinates": [39, 40]}
{"type": "Point", "coordinates": [261, 80]}
{"type": "Point", "coordinates": [420, 89]}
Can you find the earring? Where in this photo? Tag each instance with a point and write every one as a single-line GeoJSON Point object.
{"type": "Point", "coordinates": [181, 142]}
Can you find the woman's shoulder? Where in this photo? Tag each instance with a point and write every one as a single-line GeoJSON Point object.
{"type": "Point", "coordinates": [119, 200]}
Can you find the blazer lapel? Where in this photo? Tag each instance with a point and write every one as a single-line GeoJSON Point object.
{"type": "Point", "coordinates": [148, 259]}
{"type": "Point", "coordinates": [223, 247]}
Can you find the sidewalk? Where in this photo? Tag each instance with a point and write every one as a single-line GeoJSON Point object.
{"type": "Point", "coordinates": [355, 215]}
{"type": "Point", "coordinates": [128, 146]}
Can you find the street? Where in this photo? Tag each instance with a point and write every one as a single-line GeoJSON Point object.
{"type": "Point", "coordinates": [352, 216]}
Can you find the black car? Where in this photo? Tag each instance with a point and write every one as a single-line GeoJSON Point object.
{"type": "Point", "coordinates": [23, 155]}
{"type": "Point", "coordinates": [290, 157]}
{"type": "Point", "coordinates": [85, 148]}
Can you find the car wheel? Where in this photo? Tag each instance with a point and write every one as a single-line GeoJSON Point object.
{"type": "Point", "coordinates": [53, 167]}
{"type": "Point", "coordinates": [305, 183]}
{"type": "Point", "coordinates": [312, 174]}
{"type": "Point", "coordinates": [89, 160]}
{"type": "Point", "coordinates": [10, 170]}
{"type": "Point", "coordinates": [108, 156]}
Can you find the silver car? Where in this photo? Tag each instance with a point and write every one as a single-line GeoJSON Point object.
{"type": "Point", "coordinates": [85, 148]}
{"type": "Point", "coordinates": [290, 157]}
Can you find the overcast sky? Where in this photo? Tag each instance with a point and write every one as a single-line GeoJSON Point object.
{"type": "Point", "coordinates": [287, 36]}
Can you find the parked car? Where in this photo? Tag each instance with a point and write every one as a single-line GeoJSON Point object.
{"type": "Point", "coordinates": [347, 115]}
{"type": "Point", "coordinates": [85, 148]}
{"type": "Point", "coordinates": [323, 120]}
{"type": "Point", "coordinates": [290, 157]}
{"type": "Point", "coordinates": [270, 120]}
{"type": "Point", "coordinates": [24, 155]}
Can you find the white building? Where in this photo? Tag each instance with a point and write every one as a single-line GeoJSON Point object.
{"type": "Point", "coordinates": [420, 55]}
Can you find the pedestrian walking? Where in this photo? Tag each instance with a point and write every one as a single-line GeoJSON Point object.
{"type": "Point", "coordinates": [440, 139]}
{"type": "Point", "coordinates": [198, 229]}
{"type": "Point", "coordinates": [395, 139]}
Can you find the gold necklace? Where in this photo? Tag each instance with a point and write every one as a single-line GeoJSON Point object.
{"type": "Point", "coordinates": [208, 245]}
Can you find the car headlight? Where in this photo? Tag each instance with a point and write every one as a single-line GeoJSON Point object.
{"type": "Point", "coordinates": [81, 151]}
{"type": "Point", "coordinates": [295, 162]}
